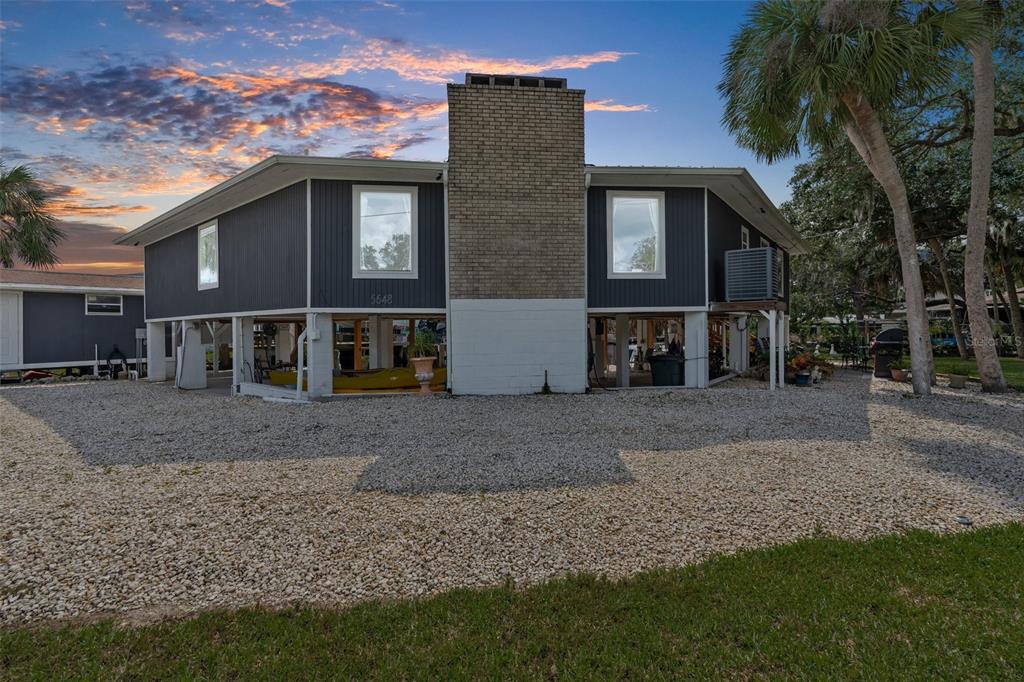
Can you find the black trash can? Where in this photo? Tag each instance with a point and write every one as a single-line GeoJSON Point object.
{"type": "Point", "coordinates": [887, 349]}
{"type": "Point", "coordinates": [666, 370]}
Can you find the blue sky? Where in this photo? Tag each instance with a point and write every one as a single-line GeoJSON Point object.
{"type": "Point", "coordinates": [127, 109]}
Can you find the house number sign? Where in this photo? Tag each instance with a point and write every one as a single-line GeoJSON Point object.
{"type": "Point", "coordinates": [380, 299]}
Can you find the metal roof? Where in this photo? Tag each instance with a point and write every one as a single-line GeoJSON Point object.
{"type": "Point", "coordinates": [735, 186]}
{"type": "Point", "coordinates": [270, 175]}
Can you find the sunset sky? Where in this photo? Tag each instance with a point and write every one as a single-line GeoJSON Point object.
{"type": "Point", "coordinates": [127, 109]}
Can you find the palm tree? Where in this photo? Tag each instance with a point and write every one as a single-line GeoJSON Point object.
{"type": "Point", "coordinates": [989, 370]}
{"type": "Point", "coordinates": [811, 70]}
{"type": "Point", "coordinates": [28, 232]}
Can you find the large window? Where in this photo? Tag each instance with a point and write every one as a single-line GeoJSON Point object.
{"type": "Point", "coordinates": [103, 304]}
{"type": "Point", "coordinates": [384, 231]}
{"type": "Point", "coordinates": [209, 275]}
{"type": "Point", "coordinates": [636, 234]}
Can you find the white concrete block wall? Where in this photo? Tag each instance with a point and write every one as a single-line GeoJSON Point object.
{"type": "Point", "coordinates": [505, 345]}
{"type": "Point", "coordinates": [156, 352]}
{"type": "Point", "coordinates": [320, 361]}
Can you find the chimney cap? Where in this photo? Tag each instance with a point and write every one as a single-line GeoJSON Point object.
{"type": "Point", "coordinates": [517, 81]}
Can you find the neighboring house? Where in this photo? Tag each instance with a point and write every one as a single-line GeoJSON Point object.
{"type": "Point", "coordinates": [524, 251]}
{"type": "Point", "coordinates": [62, 319]}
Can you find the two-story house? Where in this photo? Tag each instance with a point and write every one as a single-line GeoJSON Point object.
{"type": "Point", "coordinates": [518, 252]}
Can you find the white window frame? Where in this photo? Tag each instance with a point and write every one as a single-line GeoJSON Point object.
{"type": "Point", "coordinates": [357, 247]}
{"type": "Point", "coordinates": [199, 251]}
{"type": "Point", "coordinates": [765, 243]}
{"type": "Point", "coordinates": [744, 237]}
{"type": "Point", "coordinates": [659, 269]}
{"type": "Point", "coordinates": [120, 304]}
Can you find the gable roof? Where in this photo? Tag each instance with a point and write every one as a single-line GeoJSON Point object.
{"type": "Point", "coordinates": [270, 175]}
{"type": "Point", "coordinates": [735, 186]}
{"type": "Point", "coordinates": [52, 280]}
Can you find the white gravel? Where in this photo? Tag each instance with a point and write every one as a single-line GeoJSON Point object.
{"type": "Point", "coordinates": [137, 500]}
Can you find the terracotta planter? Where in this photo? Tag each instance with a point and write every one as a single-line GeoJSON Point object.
{"type": "Point", "coordinates": [899, 374]}
{"type": "Point", "coordinates": [958, 381]}
{"type": "Point", "coordinates": [424, 373]}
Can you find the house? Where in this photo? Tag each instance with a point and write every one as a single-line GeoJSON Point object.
{"type": "Point", "coordinates": [52, 320]}
{"type": "Point", "coordinates": [526, 256]}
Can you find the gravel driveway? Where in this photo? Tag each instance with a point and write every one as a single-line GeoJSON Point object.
{"type": "Point", "coordinates": [139, 500]}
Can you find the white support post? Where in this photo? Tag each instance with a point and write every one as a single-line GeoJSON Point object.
{"type": "Point", "coordinates": [242, 351]}
{"type": "Point", "coordinates": [213, 327]}
{"type": "Point", "coordinates": [695, 349]}
{"type": "Point", "coordinates": [156, 351]}
{"type": "Point", "coordinates": [622, 351]}
{"type": "Point", "coordinates": [320, 343]}
{"type": "Point", "coordinates": [772, 352]}
{"type": "Point", "coordinates": [190, 372]}
{"type": "Point", "coordinates": [782, 349]}
{"type": "Point", "coordinates": [387, 343]}
{"type": "Point", "coordinates": [373, 332]}
{"type": "Point", "coordinates": [735, 344]}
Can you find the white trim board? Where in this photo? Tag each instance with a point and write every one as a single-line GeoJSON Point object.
{"type": "Point", "coordinates": [61, 289]}
{"type": "Point", "coordinates": [58, 365]}
{"type": "Point", "coordinates": [229, 315]}
{"type": "Point", "coordinates": [659, 266]}
{"type": "Point", "coordinates": [650, 309]}
{"type": "Point", "coordinates": [397, 313]}
{"type": "Point", "coordinates": [357, 232]}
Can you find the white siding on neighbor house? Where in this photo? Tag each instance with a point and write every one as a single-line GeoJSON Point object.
{"type": "Point", "coordinates": [10, 328]}
{"type": "Point", "coordinates": [502, 346]}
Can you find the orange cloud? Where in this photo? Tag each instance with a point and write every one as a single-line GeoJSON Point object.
{"type": "Point", "coordinates": [436, 67]}
{"type": "Point", "coordinates": [108, 267]}
{"type": "Point", "coordinates": [610, 105]}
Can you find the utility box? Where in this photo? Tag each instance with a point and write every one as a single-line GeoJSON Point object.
{"type": "Point", "coordinates": [753, 274]}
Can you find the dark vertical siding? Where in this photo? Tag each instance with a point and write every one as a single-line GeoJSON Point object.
{"type": "Point", "coordinates": [724, 226]}
{"type": "Point", "coordinates": [331, 237]}
{"type": "Point", "coordinates": [56, 328]}
{"type": "Point", "coordinates": [683, 284]}
{"type": "Point", "coordinates": [262, 260]}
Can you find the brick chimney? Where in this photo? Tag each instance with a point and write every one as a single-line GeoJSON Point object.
{"type": "Point", "coordinates": [516, 233]}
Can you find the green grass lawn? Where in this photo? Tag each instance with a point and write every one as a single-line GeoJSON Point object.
{"type": "Point", "coordinates": [1013, 369]}
{"type": "Point", "coordinates": [917, 606]}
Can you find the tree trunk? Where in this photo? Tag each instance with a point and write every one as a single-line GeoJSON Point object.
{"type": "Point", "coordinates": [989, 370]}
{"type": "Point", "coordinates": [869, 139]}
{"type": "Point", "coordinates": [1013, 300]}
{"type": "Point", "coordinates": [940, 255]}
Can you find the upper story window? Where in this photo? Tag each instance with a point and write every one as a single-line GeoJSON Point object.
{"type": "Point", "coordinates": [103, 304]}
{"type": "Point", "coordinates": [384, 225]}
{"type": "Point", "coordinates": [765, 243]}
{"type": "Point", "coordinates": [209, 264]}
{"type": "Point", "coordinates": [636, 234]}
{"type": "Point", "coordinates": [744, 238]}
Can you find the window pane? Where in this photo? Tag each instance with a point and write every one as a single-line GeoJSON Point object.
{"type": "Point", "coordinates": [99, 303]}
{"type": "Point", "coordinates": [208, 255]}
{"type": "Point", "coordinates": [635, 234]}
{"type": "Point", "coordinates": [385, 231]}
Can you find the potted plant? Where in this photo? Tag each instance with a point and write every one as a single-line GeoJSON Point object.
{"type": "Point", "coordinates": [424, 351]}
{"type": "Point", "coordinates": [802, 366]}
{"type": "Point", "coordinates": [899, 369]}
